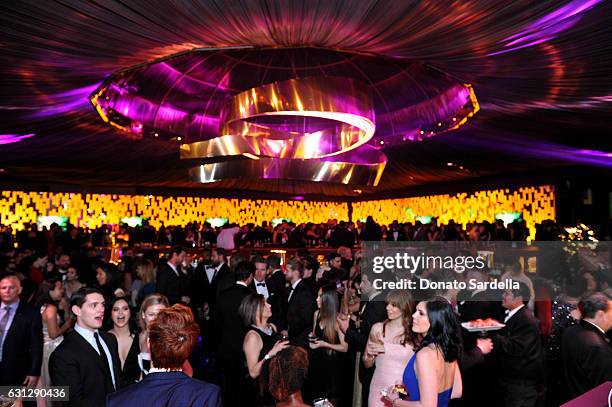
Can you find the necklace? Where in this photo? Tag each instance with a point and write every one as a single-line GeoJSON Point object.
{"type": "Point", "coordinates": [267, 330]}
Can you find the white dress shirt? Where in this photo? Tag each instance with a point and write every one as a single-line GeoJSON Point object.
{"type": "Point", "coordinates": [173, 267]}
{"type": "Point", "coordinates": [89, 337]}
{"type": "Point", "coordinates": [512, 312]}
{"type": "Point", "coordinates": [261, 289]}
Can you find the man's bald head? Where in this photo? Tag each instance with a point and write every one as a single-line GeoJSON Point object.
{"type": "Point", "coordinates": [10, 288]}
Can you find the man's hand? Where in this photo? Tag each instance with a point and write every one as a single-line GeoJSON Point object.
{"type": "Point", "coordinates": [31, 381]}
{"type": "Point", "coordinates": [485, 345]}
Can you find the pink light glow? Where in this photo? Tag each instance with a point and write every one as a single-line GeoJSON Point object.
{"type": "Point", "coordinates": [13, 138]}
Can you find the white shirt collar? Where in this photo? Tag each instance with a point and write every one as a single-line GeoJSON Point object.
{"type": "Point", "coordinates": [295, 284]}
{"type": "Point", "coordinates": [373, 294]}
{"type": "Point", "coordinates": [173, 267]}
{"type": "Point", "coordinates": [12, 306]}
{"type": "Point", "coordinates": [596, 326]}
{"type": "Point", "coordinates": [514, 311]}
{"type": "Point", "coordinates": [242, 283]}
{"type": "Point", "coordinates": [85, 333]}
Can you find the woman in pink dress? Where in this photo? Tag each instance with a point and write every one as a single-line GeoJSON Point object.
{"type": "Point", "coordinates": [389, 346]}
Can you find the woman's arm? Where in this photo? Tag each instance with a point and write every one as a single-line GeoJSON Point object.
{"type": "Point", "coordinates": [369, 355]}
{"type": "Point", "coordinates": [457, 383]}
{"type": "Point", "coordinates": [427, 365]}
{"type": "Point", "coordinates": [252, 346]}
{"type": "Point", "coordinates": [338, 347]}
{"type": "Point", "coordinates": [50, 318]}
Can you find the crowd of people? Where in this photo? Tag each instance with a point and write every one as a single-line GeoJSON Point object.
{"type": "Point", "coordinates": [230, 236]}
{"type": "Point", "coordinates": [237, 331]}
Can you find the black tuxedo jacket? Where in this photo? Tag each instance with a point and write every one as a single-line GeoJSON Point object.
{"type": "Point", "coordinates": [76, 364]}
{"type": "Point", "coordinates": [170, 284]}
{"type": "Point", "coordinates": [229, 328]}
{"type": "Point", "coordinates": [276, 288]}
{"type": "Point", "coordinates": [206, 291]}
{"type": "Point", "coordinates": [223, 280]}
{"type": "Point", "coordinates": [23, 347]}
{"type": "Point", "coordinates": [587, 358]}
{"type": "Point", "coordinates": [300, 311]}
{"type": "Point", "coordinates": [519, 347]}
{"type": "Point", "coordinates": [374, 311]}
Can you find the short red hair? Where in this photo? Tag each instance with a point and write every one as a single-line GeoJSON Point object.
{"type": "Point", "coordinates": [172, 336]}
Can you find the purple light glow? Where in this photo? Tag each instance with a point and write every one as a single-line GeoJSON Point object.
{"type": "Point", "coordinates": [547, 27]}
{"type": "Point", "coordinates": [64, 102]}
{"type": "Point", "coordinates": [13, 138]}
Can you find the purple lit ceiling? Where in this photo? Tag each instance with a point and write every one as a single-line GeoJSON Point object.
{"type": "Point", "coordinates": [542, 73]}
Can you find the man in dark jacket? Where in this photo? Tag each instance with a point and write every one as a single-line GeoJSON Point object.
{"type": "Point", "coordinates": [356, 332]}
{"type": "Point", "coordinates": [230, 329]}
{"type": "Point", "coordinates": [520, 350]}
{"type": "Point", "coordinates": [21, 341]}
{"type": "Point", "coordinates": [586, 350]}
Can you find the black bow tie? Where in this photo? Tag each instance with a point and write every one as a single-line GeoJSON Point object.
{"type": "Point", "coordinates": [261, 284]}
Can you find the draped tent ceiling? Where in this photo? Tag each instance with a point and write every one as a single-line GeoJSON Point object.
{"type": "Point", "coordinates": [542, 72]}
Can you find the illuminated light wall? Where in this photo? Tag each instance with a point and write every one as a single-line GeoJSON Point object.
{"type": "Point", "coordinates": [536, 204]}
{"type": "Point", "coordinates": [93, 210]}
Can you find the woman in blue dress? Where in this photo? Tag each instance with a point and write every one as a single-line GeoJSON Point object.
{"type": "Point", "coordinates": [432, 376]}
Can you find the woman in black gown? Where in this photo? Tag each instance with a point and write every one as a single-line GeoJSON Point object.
{"type": "Point", "coordinates": [127, 339]}
{"type": "Point", "coordinates": [261, 343]}
{"type": "Point", "coordinates": [328, 349]}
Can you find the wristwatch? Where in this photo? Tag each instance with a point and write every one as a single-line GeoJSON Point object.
{"type": "Point", "coordinates": [267, 357]}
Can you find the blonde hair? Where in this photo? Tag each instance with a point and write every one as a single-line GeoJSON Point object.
{"type": "Point", "coordinates": [146, 271]}
{"type": "Point", "coordinates": [153, 299]}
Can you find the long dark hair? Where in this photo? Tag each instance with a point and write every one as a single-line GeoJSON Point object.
{"type": "Point", "coordinates": [109, 311]}
{"type": "Point", "coordinates": [330, 304]}
{"type": "Point", "coordinates": [444, 330]}
{"type": "Point", "coordinates": [43, 296]}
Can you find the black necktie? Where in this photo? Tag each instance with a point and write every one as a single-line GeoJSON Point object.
{"type": "Point", "coordinates": [104, 358]}
{"type": "Point", "coordinates": [261, 284]}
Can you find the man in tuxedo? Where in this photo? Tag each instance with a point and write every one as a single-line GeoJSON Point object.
{"type": "Point", "coordinates": [87, 360]}
{"type": "Point", "coordinates": [170, 279]}
{"type": "Point", "coordinates": [21, 340]}
{"type": "Point", "coordinates": [208, 276]}
{"type": "Point", "coordinates": [477, 369]}
{"type": "Point", "coordinates": [299, 305]}
{"type": "Point", "coordinates": [356, 332]}
{"type": "Point", "coordinates": [231, 331]}
{"type": "Point", "coordinates": [223, 278]}
{"type": "Point", "coordinates": [276, 288]}
{"type": "Point", "coordinates": [520, 350]}
{"type": "Point", "coordinates": [586, 350]}
{"type": "Point", "coordinates": [259, 284]}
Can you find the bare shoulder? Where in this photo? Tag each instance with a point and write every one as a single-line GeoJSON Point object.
{"type": "Point", "coordinates": [377, 329]}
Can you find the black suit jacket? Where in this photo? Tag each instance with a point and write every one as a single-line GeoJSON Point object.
{"type": "Point", "coordinates": [23, 347]}
{"type": "Point", "coordinates": [587, 358]}
{"type": "Point", "coordinates": [276, 288]}
{"type": "Point", "coordinates": [170, 284]}
{"type": "Point", "coordinates": [206, 291]}
{"type": "Point", "coordinates": [76, 364]}
{"type": "Point", "coordinates": [224, 279]}
{"type": "Point", "coordinates": [300, 311]}
{"type": "Point", "coordinates": [519, 348]}
{"type": "Point", "coordinates": [374, 311]}
{"type": "Point", "coordinates": [229, 327]}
